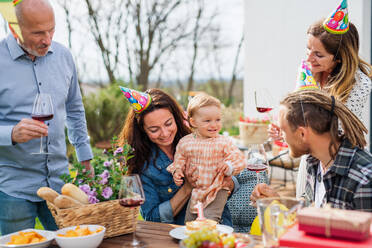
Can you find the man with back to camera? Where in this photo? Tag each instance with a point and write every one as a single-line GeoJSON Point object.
{"type": "Point", "coordinates": [28, 67]}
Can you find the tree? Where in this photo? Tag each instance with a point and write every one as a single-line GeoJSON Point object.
{"type": "Point", "coordinates": [137, 37]}
{"type": "Point", "coordinates": [234, 73]}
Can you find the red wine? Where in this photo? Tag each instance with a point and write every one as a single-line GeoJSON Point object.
{"type": "Point", "coordinates": [256, 167]}
{"type": "Point", "coordinates": [263, 109]}
{"type": "Point", "coordinates": [129, 202]}
{"type": "Point", "coordinates": [42, 117]}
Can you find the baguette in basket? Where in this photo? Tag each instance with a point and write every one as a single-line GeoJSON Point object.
{"type": "Point", "coordinates": [47, 194]}
{"type": "Point", "coordinates": [63, 201]}
{"type": "Point", "coordinates": [71, 196]}
{"type": "Point", "coordinates": [74, 192]}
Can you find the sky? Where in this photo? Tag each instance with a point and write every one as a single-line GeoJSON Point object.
{"type": "Point", "coordinates": [230, 21]}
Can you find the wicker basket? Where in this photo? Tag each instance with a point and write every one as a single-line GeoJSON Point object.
{"type": "Point", "coordinates": [117, 219]}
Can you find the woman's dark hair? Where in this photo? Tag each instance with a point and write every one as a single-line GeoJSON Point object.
{"type": "Point", "coordinates": [134, 133]}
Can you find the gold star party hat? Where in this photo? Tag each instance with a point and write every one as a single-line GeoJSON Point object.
{"type": "Point", "coordinates": [8, 12]}
{"type": "Point", "coordinates": [338, 21]}
{"type": "Point", "coordinates": [305, 79]}
{"type": "Point", "coordinates": [139, 100]}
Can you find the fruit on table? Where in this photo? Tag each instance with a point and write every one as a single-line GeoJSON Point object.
{"type": "Point", "coordinates": [281, 222]}
{"type": "Point", "coordinates": [205, 238]}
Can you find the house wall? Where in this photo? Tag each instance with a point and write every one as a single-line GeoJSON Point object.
{"type": "Point", "coordinates": [275, 42]}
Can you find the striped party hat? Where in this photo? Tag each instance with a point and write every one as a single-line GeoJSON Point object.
{"type": "Point", "coordinates": [139, 100]}
{"type": "Point", "coordinates": [338, 21]}
{"type": "Point", "coordinates": [305, 79]}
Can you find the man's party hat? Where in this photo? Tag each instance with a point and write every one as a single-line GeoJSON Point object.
{"type": "Point", "coordinates": [338, 21]}
{"type": "Point", "coordinates": [139, 100]}
{"type": "Point", "coordinates": [8, 12]}
{"type": "Point", "coordinates": [305, 79]}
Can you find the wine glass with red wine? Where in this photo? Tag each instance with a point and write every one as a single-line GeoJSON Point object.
{"type": "Point", "coordinates": [42, 111]}
{"type": "Point", "coordinates": [257, 160]}
{"type": "Point", "coordinates": [263, 101]}
{"type": "Point", "coordinates": [131, 195]}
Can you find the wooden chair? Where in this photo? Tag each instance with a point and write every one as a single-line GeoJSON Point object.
{"type": "Point", "coordinates": [284, 161]}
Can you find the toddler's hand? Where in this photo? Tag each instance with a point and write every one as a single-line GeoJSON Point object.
{"type": "Point", "coordinates": [177, 177]}
{"type": "Point", "coordinates": [225, 169]}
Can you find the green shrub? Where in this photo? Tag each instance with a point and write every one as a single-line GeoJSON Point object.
{"type": "Point", "coordinates": [105, 112]}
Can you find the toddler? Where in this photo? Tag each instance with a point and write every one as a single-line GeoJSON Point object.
{"type": "Point", "coordinates": [214, 156]}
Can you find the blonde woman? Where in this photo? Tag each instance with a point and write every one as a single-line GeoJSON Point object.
{"type": "Point", "coordinates": [336, 66]}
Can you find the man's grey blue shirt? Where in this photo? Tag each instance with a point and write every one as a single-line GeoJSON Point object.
{"type": "Point", "coordinates": [21, 174]}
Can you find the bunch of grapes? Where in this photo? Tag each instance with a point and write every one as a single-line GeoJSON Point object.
{"type": "Point", "coordinates": [206, 238]}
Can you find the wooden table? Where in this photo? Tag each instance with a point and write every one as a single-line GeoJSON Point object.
{"type": "Point", "coordinates": [153, 234]}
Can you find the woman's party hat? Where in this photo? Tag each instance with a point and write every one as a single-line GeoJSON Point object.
{"type": "Point", "coordinates": [139, 100]}
{"type": "Point", "coordinates": [305, 79]}
{"type": "Point", "coordinates": [338, 21]}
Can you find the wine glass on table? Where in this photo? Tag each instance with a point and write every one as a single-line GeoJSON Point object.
{"type": "Point", "coordinates": [131, 195]}
{"type": "Point", "coordinates": [257, 161]}
{"type": "Point", "coordinates": [42, 111]}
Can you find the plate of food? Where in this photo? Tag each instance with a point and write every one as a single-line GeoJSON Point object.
{"type": "Point", "coordinates": [28, 238]}
{"type": "Point", "coordinates": [196, 225]}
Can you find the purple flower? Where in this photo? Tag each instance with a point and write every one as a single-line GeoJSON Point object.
{"type": "Point", "coordinates": [85, 188]}
{"type": "Point", "coordinates": [103, 181]}
{"type": "Point", "coordinates": [107, 192]}
{"type": "Point", "coordinates": [93, 199]}
{"type": "Point", "coordinates": [119, 150]}
{"type": "Point", "coordinates": [80, 181]}
{"type": "Point", "coordinates": [107, 163]}
{"type": "Point", "coordinates": [105, 175]}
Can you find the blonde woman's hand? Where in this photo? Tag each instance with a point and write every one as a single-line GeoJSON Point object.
{"type": "Point", "coordinates": [274, 132]}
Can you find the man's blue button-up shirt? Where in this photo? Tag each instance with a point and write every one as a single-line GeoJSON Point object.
{"type": "Point", "coordinates": [21, 174]}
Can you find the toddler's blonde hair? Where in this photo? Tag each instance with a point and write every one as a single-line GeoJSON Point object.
{"type": "Point", "coordinates": [199, 101]}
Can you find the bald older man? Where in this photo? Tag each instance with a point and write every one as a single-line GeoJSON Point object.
{"type": "Point", "coordinates": [36, 65]}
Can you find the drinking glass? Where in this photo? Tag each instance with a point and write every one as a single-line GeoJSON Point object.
{"type": "Point", "coordinates": [276, 215]}
{"type": "Point", "coordinates": [263, 101]}
{"type": "Point", "coordinates": [264, 104]}
{"type": "Point", "coordinates": [257, 161]}
{"type": "Point", "coordinates": [131, 195]}
{"type": "Point", "coordinates": [42, 111]}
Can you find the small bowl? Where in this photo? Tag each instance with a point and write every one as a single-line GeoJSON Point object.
{"type": "Point", "coordinates": [49, 235]}
{"type": "Point", "coordinates": [88, 241]}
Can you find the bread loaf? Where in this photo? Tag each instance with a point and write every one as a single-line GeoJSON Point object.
{"type": "Point", "coordinates": [74, 192]}
{"type": "Point", "coordinates": [47, 194]}
{"type": "Point", "coordinates": [64, 201]}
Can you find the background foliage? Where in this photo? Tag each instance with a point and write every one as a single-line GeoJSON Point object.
{"type": "Point", "coordinates": [105, 112]}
